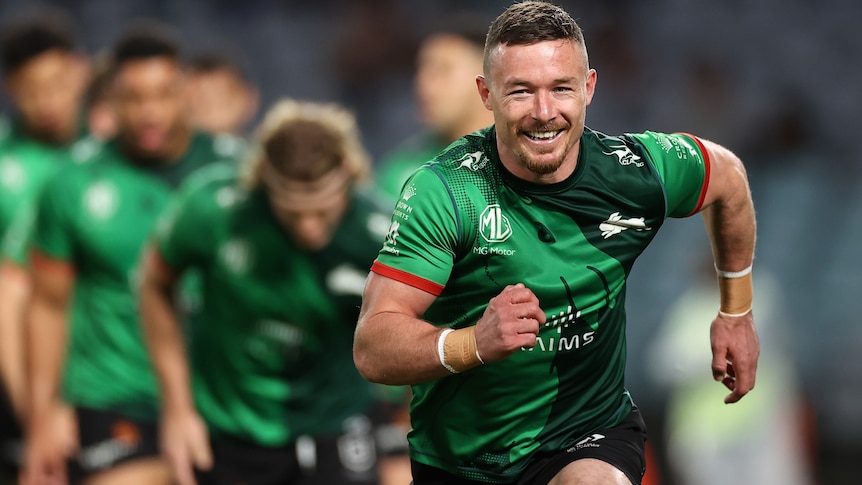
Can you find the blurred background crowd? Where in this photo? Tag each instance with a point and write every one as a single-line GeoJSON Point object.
{"type": "Point", "coordinates": [777, 81]}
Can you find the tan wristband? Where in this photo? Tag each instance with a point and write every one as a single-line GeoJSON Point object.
{"type": "Point", "coordinates": [737, 294]}
{"type": "Point", "coordinates": [457, 349]}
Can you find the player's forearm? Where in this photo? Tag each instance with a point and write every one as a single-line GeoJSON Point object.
{"type": "Point", "coordinates": [14, 291]}
{"type": "Point", "coordinates": [46, 337]}
{"type": "Point", "coordinates": [730, 221]}
{"type": "Point", "coordinates": [396, 349]}
{"type": "Point", "coordinates": [165, 344]}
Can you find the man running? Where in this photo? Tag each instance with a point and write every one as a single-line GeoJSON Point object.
{"type": "Point", "coordinates": [499, 293]}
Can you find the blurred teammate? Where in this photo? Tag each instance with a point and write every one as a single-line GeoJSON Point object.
{"type": "Point", "coordinates": [44, 76]}
{"type": "Point", "coordinates": [283, 252]}
{"type": "Point", "coordinates": [447, 64]}
{"type": "Point", "coordinates": [84, 341]}
{"type": "Point", "coordinates": [101, 120]}
{"type": "Point", "coordinates": [222, 99]}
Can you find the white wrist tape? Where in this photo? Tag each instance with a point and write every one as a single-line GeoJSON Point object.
{"type": "Point", "coordinates": [733, 274]}
{"type": "Point", "coordinates": [458, 350]}
{"type": "Point", "coordinates": [734, 315]}
{"type": "Point", "coordinates": [737, 292]}
{"type": "Point", "coordinates": [441, 340]}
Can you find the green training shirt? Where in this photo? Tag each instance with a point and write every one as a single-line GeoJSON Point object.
{"type": "Point", "coordinates": [464, 228]}
{"type": "Point", "coordinates": [25, 165]}
{"type": "Point", "coordinates": [397, 167]}
{"type": "Point", "coordinates": [271, 351]}
{"type": "Point", "coordinates": [97, 216]}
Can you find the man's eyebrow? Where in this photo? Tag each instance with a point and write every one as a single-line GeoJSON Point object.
{"type": "Point", "coordinates": [523, 82]}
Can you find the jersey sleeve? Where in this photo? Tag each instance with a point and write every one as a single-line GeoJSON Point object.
{"type": "Point", "coordinates": [17, 238]}
{"type": "Point", "coordinates": [181, 235]}
{"type": "Point", "coordinates": [53, 231]}
{"type": "Point", "coordinates": [419, 249]}
{"type": "Point", "coordinates": [682, 164]}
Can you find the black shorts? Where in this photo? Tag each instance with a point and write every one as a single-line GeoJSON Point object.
{"type": "Point", "coordinates": [346, 459]}
{"type": "Point", "coordinates": [107, 439]}
{"type": "Point", "coordinates": [621, 446]}
{"type": "Point", "coordinates": [11, 438]}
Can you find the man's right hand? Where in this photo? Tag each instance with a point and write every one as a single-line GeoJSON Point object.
{"type": "Point", "coordinates": [52, 439]}
{"type": "Point", "coordinates": [511, 321]}
{"type": "Point", "coordinates": [185, 444]}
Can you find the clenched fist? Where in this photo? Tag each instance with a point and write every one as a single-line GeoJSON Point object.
{"type": "Point", "coordinates": [511, 321]}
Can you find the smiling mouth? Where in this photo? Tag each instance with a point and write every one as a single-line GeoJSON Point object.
{"type": "Point", "coordinates": [542, 135]}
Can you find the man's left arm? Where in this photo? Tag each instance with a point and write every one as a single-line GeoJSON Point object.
{"type": "Point", "coordinates": [728, 212]}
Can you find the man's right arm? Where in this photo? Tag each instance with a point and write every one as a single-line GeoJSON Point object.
{"type": "Point", "coordinates": [162, 331]}
{"type": "Point", "coordinates": [14, 293]}
{"type": "Point", "coordinates": [47, 330]}
{"type": "Point", "coordinates": [394, 346]}
{"type": "Point", "coordinates": [50, 440]}
{"type": "Point", "coordinates": [184, 437]}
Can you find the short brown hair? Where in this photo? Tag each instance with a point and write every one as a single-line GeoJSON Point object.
{"type": "Point", "coordinates": [528, 23]}
{"type": "Point", "coordinates": [304, 140]}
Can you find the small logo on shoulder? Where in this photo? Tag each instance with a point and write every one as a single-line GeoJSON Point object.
{"type": "Point", "coordinates": [474, 161]}
{"type": "Point", "coordinates": [409, 192]}
{"type": "Point", "coordinates": [625, 155]}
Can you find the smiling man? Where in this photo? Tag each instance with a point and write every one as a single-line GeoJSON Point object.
{"type": "Point", "coordinates": [499, 292]}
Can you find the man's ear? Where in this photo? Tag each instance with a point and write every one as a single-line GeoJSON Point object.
{"type": "Point", "coordinates": [484, 91]}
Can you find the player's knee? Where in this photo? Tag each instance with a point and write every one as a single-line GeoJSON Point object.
{"type": "Point", "coordinates": [590, 471]}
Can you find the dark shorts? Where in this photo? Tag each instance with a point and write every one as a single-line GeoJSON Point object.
{"type": "Point", "coordinates": [108, 439]}
{"type": "Point", "coordinates": [346, 459]}
{"type": "Point", "coordinates": [621, 446]}
{"type": "Point", "coordinates": [11, 441]}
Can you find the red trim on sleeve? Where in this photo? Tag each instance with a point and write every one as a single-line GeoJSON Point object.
{"type": "Point", "coordinates": [707, 166]}
{"type": "Point", "coordinates": [45, 262]}
{"type": "Point", "coordinates": [407, 278]}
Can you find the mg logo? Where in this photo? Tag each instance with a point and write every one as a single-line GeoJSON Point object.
{"type": "Point", "coordinates": [493, 225]}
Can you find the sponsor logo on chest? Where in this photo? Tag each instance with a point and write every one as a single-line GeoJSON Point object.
{"type": "Point", "coordinates": [495, 228]}
{"type": "Point", "coordinates": [236, 256]}
{"type": "Point", "coordinates": [12, 174]}
{"type": "Point", "coordinates": [101, 200]}
{"type": "Point", "coordinates": [616, 223]}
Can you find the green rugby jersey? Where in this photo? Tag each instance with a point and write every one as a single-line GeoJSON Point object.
{"type": "Point", "coordinates": [271, 347]}
{"type": "Point", "coordinates": [97, 215]}
{"type": "Point", "coordinates": [25, 165]}
{"type": "Point", "coordinates": [464, 228]}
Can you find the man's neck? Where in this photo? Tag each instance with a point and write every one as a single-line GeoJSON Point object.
{"type": "Point", "coordinates": [173, 151]}
{"type": "Point", "coordinates": [55, 139]}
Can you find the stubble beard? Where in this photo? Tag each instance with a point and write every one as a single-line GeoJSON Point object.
{"type": "Point", "coordinates": [540, 168]}
{"type": "Point", "coordinates": [530, 162]}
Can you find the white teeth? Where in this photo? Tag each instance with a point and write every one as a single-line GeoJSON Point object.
{"type": "Point", "coordinates": [542, 135]}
